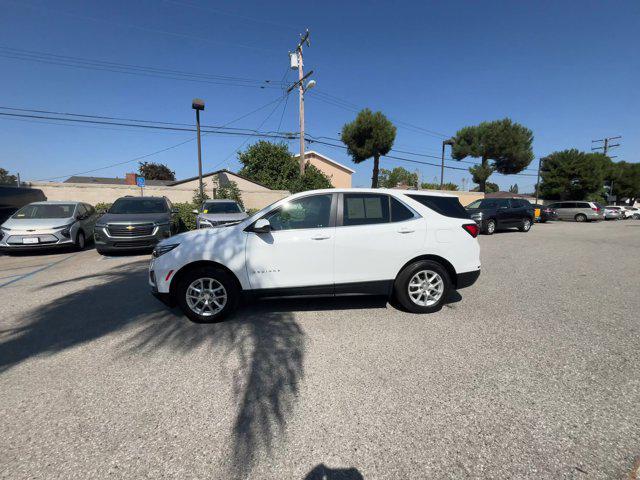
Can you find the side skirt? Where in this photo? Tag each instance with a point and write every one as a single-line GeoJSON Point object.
{"type": "Point", "coordinates": [379, 287]}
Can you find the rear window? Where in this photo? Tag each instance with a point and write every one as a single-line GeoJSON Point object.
{"type": "Point", "coordinates": [447, 206]}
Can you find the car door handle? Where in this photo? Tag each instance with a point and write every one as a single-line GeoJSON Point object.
{"type": "Point", "coordinates": [321, 237]}
{"type": "Point", "coordinates": [406, 230]}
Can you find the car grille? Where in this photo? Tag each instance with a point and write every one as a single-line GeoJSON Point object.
{"type": "Point", "coordinates": [143, 244]}
{"type": "Point", "coordinates": [42, 239]}
{"type": "Point", "coordinates": [140, 230]}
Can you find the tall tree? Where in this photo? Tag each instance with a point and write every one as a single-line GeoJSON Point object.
{"type": "Point", "coordinates": [436, 186]}
{"type": "Point", "coordinates": [155, 171]}
{"type": "Point", "coordinates": [230, 191]}
{"type": "Point", "coordinates": [513, 188]}
{"type": "Point", "coordinates": [397, 176]}
{"type": "Point", "coordinates": [272, 165]}
{"type": "Point", "coordinates": [506, 144]}
{"type": "Point", "coordinates": [6, 179]}
{"type": "Point", "coordinates": [369, 135]}
{"type": "Point", "coordinates": [623, 180]}
{"type": "Point", "coordinates": [573, 175]}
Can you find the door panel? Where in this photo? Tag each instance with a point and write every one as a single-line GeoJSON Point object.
{"type": "Point", "coordinates": [299, 250]}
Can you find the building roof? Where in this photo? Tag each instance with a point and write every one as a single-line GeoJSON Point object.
{"type": "Point", "coordinates": [113, 181]}
{"type": "Point", "coordinates": [224, 170]}
{"type": "Point", "coordinates": [326, 159]}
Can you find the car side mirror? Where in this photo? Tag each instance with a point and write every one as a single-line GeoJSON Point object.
{"type": "Point", "coordinates": [174, 211]}
{"type": "Point", "coordinates": [261, 226]}
{"type": "Point", "coordinates": [194, 211]}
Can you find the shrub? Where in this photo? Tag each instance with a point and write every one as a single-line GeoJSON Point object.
{"type": "Point", "coordinates": [102, 207]}
{"type": "Point", "coordinates": [186, 217]}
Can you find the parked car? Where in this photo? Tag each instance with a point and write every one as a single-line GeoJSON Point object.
{"type": "Point", "coordinates": [215, 213]}
{"type": "Point", "coordinates": [625, 212]}
{"type": "Point", "coordinates": [414, 246]}
{"type": "Point", "coordinates": [578, 211]}
{"type": "Point", "coordinates": [612, 213]}
{"type": "Point", "coordinates": [635, 213]}
{"type": "Point", "coordinates": [543, 213]}
{"type": "Point", "coordinates": [48, 224]}
{"type": "Point", "coordinates": [14, 198]}
{"type": "Point", "coordinates": [492, 214]}
{"type": "Point", "coordinates": [135, 223]}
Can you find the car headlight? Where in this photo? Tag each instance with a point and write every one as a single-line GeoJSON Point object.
{"type": "Point", "coordinates": [66, 229]}
{"type": "Point", "coordinates": [162, 249]}
{"type": "Point", "coordinates": [204, 223]}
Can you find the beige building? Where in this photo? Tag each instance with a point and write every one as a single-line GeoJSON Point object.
{"type": "Point", "coordinates": [339, 175]}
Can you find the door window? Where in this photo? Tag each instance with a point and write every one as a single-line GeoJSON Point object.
{"type": "Point", "coordinates": [503, 203]}
{"type": "Point", "coordinates": [307, 212]}
{"type": "Point", "coordinates": [365, 209]}
{"type": "Point", "coordinates": [399, 212]}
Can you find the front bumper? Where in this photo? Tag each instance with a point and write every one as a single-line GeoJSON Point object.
{"type": "Point", "coordinates": [466, 279]}
{"type": "Point", "coordinates": [14, 240]}
{"type": "Point", "coordinates": [105, 241]}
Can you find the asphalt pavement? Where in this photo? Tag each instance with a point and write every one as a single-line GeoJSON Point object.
{"type": "Point", "coordinates": [534, 372]}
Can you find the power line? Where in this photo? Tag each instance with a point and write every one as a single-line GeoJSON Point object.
{"type": "Point", "coordinates": [606, 145]}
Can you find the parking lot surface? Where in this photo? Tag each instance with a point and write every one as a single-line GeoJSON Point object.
{"type": "Point", "coordinates": [531, 373]}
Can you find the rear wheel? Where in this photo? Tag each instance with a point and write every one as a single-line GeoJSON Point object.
{"type": "Point", "coordinates": [490, 227]}
{"type": "Point", "coordinates": [423, 287]}
{"type": "Point", "coordinates": [636, 216]}
{"type": "Point", "coordinates": [581, 217]}
{"type": "Point", "coordinates": [526, 225]}
{"type": "Point", "coordinates": [207, 294]}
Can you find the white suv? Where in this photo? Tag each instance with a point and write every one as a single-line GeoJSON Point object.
{"type": "Point", "coordinates": [415, 246]}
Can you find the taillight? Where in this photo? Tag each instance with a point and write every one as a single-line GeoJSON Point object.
{"type": "Point", "coordinates": [595, 209]}
{"type": "Point", "coordinates": [472, 229]}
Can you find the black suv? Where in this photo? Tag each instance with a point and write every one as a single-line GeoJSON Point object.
{"type": "Point", "coordinates": [492, 214]}
{"type": "Point", "coordinates": [134, 223]}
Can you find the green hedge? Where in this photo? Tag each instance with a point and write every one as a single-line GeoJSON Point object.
{"type": "Point", "coordinates": [102, 207]}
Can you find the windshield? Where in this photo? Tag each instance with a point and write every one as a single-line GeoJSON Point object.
{"type": "Point", "coordinates": [57, 210]}
{"type": "Point", "coordinates": [138, 205]}
{"type": "Point", "coordinates": [220, 207]}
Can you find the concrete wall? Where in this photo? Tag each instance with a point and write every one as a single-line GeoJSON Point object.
{"type": "Point", "coordinates": [98, 193]}
{"type": "Point", "coordinates": [339, 177]}
{"type": "Point", "coordinates": [465, 197]}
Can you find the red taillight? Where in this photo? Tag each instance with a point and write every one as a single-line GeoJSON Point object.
{"type": "Point", "coordinates": [595, 209]}
{"type": "Point", "coordinates": [472, 229]}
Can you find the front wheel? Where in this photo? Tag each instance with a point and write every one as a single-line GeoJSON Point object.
{"type": "Point", "coordinates": [207, 295]}
{"type": "Point", "coordinates": [80, 241]}
{"type": "Point", "coordinates": [526, 225]}
{"type": "Point", "coordinates": [422, 287]}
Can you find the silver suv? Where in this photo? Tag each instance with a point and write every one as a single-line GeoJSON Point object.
{"type": "Point", "coordinates": [215, 213]}
{"type": "Point", "coordinates": [578, 211]}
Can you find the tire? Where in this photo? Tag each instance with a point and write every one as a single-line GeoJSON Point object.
{"type": "Point", "coordinates": [526, 225]}
{"type": "Point", "coordinates": [417, 276]}
{"type": "Point", "coordinates": [218, 285]}
{"type": "Point", "coordinates": [581, 217]}
{"type": "Point", "coordinates": [81, 241]}
{"type": "Point", "coordinates": [636, 216]}
{"type": "Point", "coordinates": [102, 251]}
{"type": "Point", "coordinates": [489, 227]}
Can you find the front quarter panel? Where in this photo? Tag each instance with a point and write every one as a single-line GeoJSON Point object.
{"type": "Point", "coordinates": [225, 246]}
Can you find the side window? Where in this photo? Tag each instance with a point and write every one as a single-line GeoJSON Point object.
{"type": "Point", "coordinates": [583, 205]}
{"type": "Point", "coordinates": [399, 212]}
{"type": "Point", "coordinates": [308, 212]}
{"type": "Point", "coordinates": [503, 203]}
{"type": "Point", "coordinates": [365, 209]}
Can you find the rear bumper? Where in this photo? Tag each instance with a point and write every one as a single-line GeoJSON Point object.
{"type": "Point", "coordinates": [466, 279]}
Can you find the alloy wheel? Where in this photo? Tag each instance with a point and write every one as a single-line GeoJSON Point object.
{"type": "Point", "coordinates": [526, 224]}
{"type": "Point", "coordinates": [206, 296]}
{"type": "Point", "coordinates": [426, 288]}
{"type": "Point", "coordinates": [491, 227]}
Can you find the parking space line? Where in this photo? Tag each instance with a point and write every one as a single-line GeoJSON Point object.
{"type": "Point", "coordinates": [34, 272]}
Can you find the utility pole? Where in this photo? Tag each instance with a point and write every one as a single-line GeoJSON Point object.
{"type": "Point", "coordinates": [538, 180]}
{"type": "Point", "coordinates": [198, 105]}
{"type": "Point", "coordinates": [606, 145]}
{"type": "Point", "coordinates": [18, 178]}
{"type": "Point", "coordinates": [301, 89]}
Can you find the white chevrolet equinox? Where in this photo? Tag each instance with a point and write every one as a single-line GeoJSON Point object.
{"type": "Point", "coordinates": [412, 245]}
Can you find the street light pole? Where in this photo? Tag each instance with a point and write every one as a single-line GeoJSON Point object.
{"type": "Point", "coordinates": [198, 105]}
{"type": "Point", "coordinates": [538, 180]}
{"type": "Point", "coordinates": [444, 142]}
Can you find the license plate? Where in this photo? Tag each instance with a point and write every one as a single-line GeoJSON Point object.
{"type": "Point", "coordinates": [30, 240]}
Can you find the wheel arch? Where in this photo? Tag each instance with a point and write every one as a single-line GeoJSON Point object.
{"type": "Point", "coordinates": [175, 281]}
{"type": "Point", "coordinates": [435, 258]}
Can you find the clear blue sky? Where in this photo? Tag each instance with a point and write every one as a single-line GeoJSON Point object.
{"type": "Point", "coordinates": [569, 70]}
